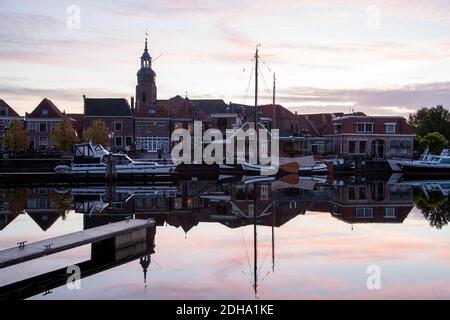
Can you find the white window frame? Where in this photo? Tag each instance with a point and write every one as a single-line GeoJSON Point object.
{"type": "Point", "coordinates": [388, 125]}
{"type": "Point", "coordinates": [32, 127]}
{"type": "Point", "coordinates": [365, 127]}
{"type": "Point", "coordinates": [121, 140]}
{"type": "Point", "coordinates": [46, 142]}
{"type": "Point", "coordinates": [366, 213]}
{"type": "Point", "coordinates": [389, 212]}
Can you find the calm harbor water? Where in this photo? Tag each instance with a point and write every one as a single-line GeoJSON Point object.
{"type": "Point", "coordinates": [315, 239]}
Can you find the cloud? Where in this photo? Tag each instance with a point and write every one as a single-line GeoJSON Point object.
{"type": "Point", "coordinates": [400, 100]}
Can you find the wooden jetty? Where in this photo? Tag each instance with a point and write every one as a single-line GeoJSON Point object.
{"type": "Point", "coordinates": [121, 231]}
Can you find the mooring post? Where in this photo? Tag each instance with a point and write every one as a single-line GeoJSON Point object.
{"type": "Point", "coordinates": [22, 244]}
{"type": "Point", "coordinates": [111, 172]}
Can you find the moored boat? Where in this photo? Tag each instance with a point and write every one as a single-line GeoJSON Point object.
{"type": "Point", "coordinates": [93, 159]}
{"type": "Point", "coordinates": [428, 164]}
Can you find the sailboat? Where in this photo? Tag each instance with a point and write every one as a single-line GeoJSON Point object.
{"type": "Point", "coordinates": [269, 170]}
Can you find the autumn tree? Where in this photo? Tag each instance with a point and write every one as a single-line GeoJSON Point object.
{"type": "Point", "coordinates": [16, 138]}
{"type": "Point", "coordinates": [64, 136]}
{"type": "Point", "coordinates": [98, 133]}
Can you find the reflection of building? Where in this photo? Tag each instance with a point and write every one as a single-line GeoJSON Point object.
{"type": "Point", "coordinates": [372, 202]}
{"type": "Point", "coordinates": [7, 211]}
{"type": "Point", "coordinates": [44, 210]}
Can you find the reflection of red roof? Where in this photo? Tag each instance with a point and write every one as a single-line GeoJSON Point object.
{"type": "Point", "coordinates": [53, 111]}
{"type": "Point", "coordinates": [45, 219]}
{"type": "Point", "coordinates": [10, 217]}
{"type": "Point", "coordinates": [11, 112]}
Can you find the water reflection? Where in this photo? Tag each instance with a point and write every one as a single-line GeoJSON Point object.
{"type": "Point", "coordinates": [186, 203]}
{"type": "Point", "coordinates": [233, 203]}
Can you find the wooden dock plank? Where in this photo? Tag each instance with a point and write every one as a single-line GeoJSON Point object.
{"type": "Point", "coordinates": [38, 249]}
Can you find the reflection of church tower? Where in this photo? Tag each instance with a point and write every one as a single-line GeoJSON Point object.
{"type": "Point", "coordinates": [146, 86]}
{"type": "Point", "coordinates": [145, 263]}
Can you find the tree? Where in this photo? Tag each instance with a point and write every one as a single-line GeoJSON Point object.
{"type": "Point", "coordinates": [64, 136]}
{"type": "Point", "coordinates": [427, 120]}
{"type": "Point", "coordinates": [433, 140]}
{"type": "Point", "coordinates": [98, 133]}
{"type": "Point", "coordinates": [16, 138]}
{"type": "Point", "coordinates": [435, 208]}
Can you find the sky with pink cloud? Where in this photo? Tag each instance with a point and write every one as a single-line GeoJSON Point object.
{"type": "Point", "coordinates": [379, 56]}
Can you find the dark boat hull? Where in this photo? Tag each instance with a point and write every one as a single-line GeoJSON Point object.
{"type": "Point", "coordinates": [422, 170]}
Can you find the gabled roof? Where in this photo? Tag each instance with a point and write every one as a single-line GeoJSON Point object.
{"type": "Point", "coordinates": [280, 112]}
{"type": "Point", "coordinates": [211, 106]}
{"type": "Point", "coordinates": [182, 108]}
{"type": "Point", "coordinates": [45, 219]}
{"type": "Point", "coordinates": [52, 111]}
{"type": "Point", "coordinates": [11, 112]}
{"type": "Point", "coordinates": [107, 107]}
{"type": "Point", "coordinates": [322, 122]}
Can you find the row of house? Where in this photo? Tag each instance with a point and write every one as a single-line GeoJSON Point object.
{"type": "Point", "coordinates": [147, 123]}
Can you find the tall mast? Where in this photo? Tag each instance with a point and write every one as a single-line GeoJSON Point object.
{"type": "Point", "coordinates": [255, 246]}
{"type": "Point", "coordinates": [273, 102]}
{"type": "Point", "coordinates": [273, 237]}
{"type": "Point", "coordinates": [256, 98]}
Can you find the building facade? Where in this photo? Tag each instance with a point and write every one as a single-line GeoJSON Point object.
{"type": "Point", "coordinates": [379, 137]}
{"type": "Point", "coordinates": [7, 117]}
{"type": "Point", "coordinates": [152, 124]}
{"type": "Point", "coordinates": [41, 123]}
{"type": "Point", "coordinates": [117, 116]}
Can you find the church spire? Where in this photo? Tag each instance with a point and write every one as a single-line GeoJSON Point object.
{"type": "Point", "coordinates": [146, 36]}
{"type": "Point", "coordinates": [146, 86]}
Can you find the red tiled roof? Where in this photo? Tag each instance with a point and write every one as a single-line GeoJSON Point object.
{"type": "Point", "coordinates": [11, 111]}
{"type": "Point", "coordinates": [152, 111]}
{"type": "Point", "coordinates": [281, 112]}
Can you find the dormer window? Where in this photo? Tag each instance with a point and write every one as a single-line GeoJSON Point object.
{"type": "Point", "coordinates": [151, 111]}
{"type": "Point", "coordinates": [389, 127]}
{"type": "Point", "coordinates": [337, 127]}
{"type": "Point", "coordinates": [364, 127]}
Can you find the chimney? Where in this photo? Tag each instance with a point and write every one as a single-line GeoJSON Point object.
{"type": "Point", "coordinates": [84, 104]}
{"type": "Point", "coordinates": [132, 105]}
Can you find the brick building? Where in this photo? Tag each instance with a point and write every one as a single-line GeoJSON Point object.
{"type": "Point", "coordinates": [40, 125]}
{"type": "Point", "coordinates": [7, 117]}
{"type": "Point", "coordinates": [377, 137]}
{"type": "Point", "coordinates": [118, 118]}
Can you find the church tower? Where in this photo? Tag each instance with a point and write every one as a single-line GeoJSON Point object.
{"type": "Point", "coordinates": [146, 86]}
